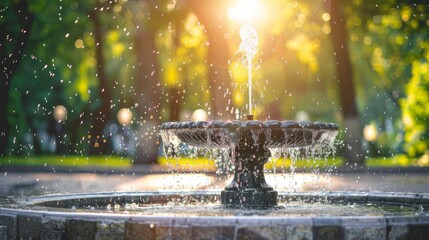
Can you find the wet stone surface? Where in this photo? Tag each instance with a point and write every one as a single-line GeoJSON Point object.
{"type": "Point", "coordinates": [53, 228]}
{"type": "Point", "coordinates": [327, 228]}
{"type": "Point", "coordinates": [360, 232]}
{"type": "Point", "coordinates": [136, 230]}
{"type": "Point", "coordinates": [172, 228]}
{"type": "Point", "coordinates": [29, 227]}
{"type": "Point", "coordinates": [261, 232]}
{"type": "Point", "coordinates": [53, 223]}
{"type": "Point", "coordinates": [80, 229]}
{"type": "Point", "coordinates": [418, 231]}
{"type": "Point", "coordinates": [173, 232]}
{"type": "Point", "coordinates": [328, 233]}
{"type": "Point", "coordinates": [110, 230]}
{"type": "Point", "coordinates": [397, 232]}
{"type": "Point", "coordinates": [10, 222]}
{"type": "Point", "coordinates": [366, 228]}
{"type": "Point", "coordinates": [3, 233]}
{"type": "Point", "coordinates": [299, 232]}
{"type": "Point", "coordinates": [218, 232]}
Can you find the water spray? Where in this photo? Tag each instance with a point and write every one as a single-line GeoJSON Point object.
{"type": "Point", "coordinates": [249, 48]}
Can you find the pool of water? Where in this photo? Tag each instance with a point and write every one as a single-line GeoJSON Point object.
{"type": "Point", "coordinates": [293, 209]}
{"type": "Point", "coordinates": [194, 204]}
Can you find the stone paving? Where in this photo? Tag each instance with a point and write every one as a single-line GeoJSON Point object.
{"type": "Point", "coordinates": [20, 184]}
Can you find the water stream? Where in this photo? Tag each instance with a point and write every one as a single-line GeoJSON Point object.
{"type": "Point", "coordinates": [249, 48]}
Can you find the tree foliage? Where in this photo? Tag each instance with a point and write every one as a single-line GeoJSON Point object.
{"type": "Point", "coordinates": [386, 37]}
{"type": "Point", "coordinates": [83, 55]}
{"type": "Point", "coordinates": [416, 110]}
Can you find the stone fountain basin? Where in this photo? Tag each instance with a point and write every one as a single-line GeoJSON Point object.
{"type": "Point", "coordinates": [271, 134]}
{"type": "Point", "coordinates": [102, 215]}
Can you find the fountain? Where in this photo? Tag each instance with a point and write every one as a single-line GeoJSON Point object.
{"type": "Point", "coordinates": [249, 141]}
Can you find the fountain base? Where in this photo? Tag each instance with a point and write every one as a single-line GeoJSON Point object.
{"type": "Point", "coordinates": [249, 199]}
{"type": "Point", "coordinates": [249, 189]}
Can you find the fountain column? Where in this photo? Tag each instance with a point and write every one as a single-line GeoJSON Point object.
{"type": "Point", "coordinates": [248, 187]}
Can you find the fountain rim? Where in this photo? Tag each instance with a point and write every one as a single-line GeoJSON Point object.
{"type": "Point", "coordinates": [213, 220]}
{"type": "Point", "coordinates": [24, 208]}
{"type": "Point", "coordinates": [250, 124]}
{"type": "Point", "coordinates": [331, 197]}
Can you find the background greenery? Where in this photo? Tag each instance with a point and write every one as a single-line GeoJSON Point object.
{"type": "Point", "coordinates": [65, 63]}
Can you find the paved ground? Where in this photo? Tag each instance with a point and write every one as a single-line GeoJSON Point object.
{"type": "Point", "coordinates": [20, 183]}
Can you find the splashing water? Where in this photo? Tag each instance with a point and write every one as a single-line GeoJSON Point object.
{"type": "Point", "coordinates": [215, 142]}
{"type": "Point", "coordinates": [249, 48]}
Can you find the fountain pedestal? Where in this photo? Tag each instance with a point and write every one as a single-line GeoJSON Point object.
{"type": "Point", "coordinates": [248, 187]}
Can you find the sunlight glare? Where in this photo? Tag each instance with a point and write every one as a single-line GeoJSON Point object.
{"type": "Point", "coordinates": [60, 113]}
{"type": "Point", "coordinates": [370, 133]}
{"type": "Point", "coordinates": [199, 115]}
{"type": "Point", "coordinates": [245, 11]}
{"type": "Point", "coordinates": [125, 116]}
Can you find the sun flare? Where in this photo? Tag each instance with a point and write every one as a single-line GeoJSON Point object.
{"type": "Point", "coordinates": [245, 10]}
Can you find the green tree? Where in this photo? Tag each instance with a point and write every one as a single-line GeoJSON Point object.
{"type": "Point", "coordinates": [99, 143]}
{"type": "Point", "coordinates": [212, 15]}
{"type": "Point", "coordinates": [346, 86]}
{"type": "Point", "coordinates": [415, 109]}
{"type": "Point", "coordinates": [51, 73]}
{"type": "Point", "coordinates": [15, 25]}
{"type": "Point", "coordinates": [386, 37]}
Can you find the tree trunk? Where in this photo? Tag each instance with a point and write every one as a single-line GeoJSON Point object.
{"type": "Point", "coordinates": [75, 145]}
{"type": "Point", "coordinates": [174, 103]}
{"type": "Point", "coordinates": [99, 144]}
{"type": "Point", "coordinates": [10, 62]}
{"type": "Point", "coordinates": [212, 14]}
{"type": "Point", "coordinates": [347, 94]}
{"type": "Point", "coordinates": [4, 127]}
{"type": "Point", "coordinates": [273, 111]}
{"type": "Point", "coordinates": [149, 97]}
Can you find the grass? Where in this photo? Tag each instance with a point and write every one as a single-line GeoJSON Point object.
{"type": "Point", "coordinates": [193, 164]}
{"type": "Point", "coordinates": [399, 160]}
{"type": "Point", "coordinates": [185, 161]}
{"type": "Point", "coordinates": [280, 163]}
{"type": "Point", "coordinates": [305, 163]}
{"type": "Point", "coordinates": [67, 161]}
